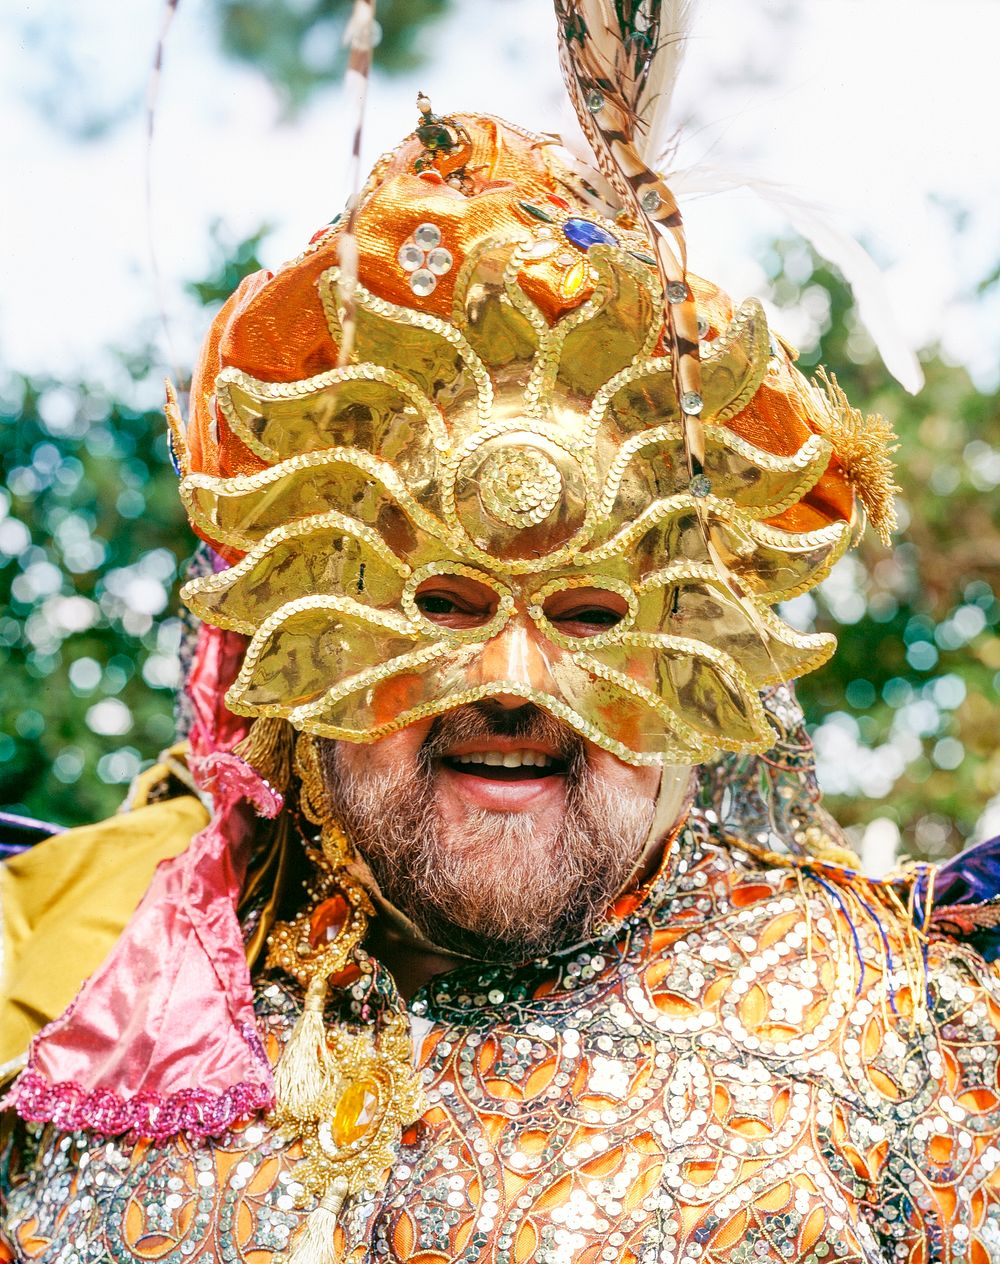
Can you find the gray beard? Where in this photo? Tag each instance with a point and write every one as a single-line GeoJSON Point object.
{"type": "Point", "coordinates": [499, 889]}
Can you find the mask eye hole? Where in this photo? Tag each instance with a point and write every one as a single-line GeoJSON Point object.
{"type": "Point", "coordinates": [456, 601]}
{"type": "Point", "coordinates": [584, 611]}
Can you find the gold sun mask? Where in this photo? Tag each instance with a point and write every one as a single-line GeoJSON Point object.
{"type": "Point", "coordinates": [526, 459]}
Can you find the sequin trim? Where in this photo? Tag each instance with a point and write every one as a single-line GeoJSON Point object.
{"type": "Point", "coordinates": [197, 1112]}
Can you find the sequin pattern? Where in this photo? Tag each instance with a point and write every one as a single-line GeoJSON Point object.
{"type": "Point", "coordinates": [730, 1071]}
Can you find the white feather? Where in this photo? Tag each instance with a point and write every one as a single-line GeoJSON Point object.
{"type": "Point", "coordinates": [653, 107]}
{"type": "Point", "coordinates": [573, 150]}
{"type": "Point", "coordinates": [648, 97]}
{"type": "Point", "coordinates": [832, 243]}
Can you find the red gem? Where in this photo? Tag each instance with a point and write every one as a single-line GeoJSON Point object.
{"type": "Point", "coordinates": [558, 201]}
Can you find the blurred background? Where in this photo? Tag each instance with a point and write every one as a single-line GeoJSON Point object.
{"type": "Point", "coordinates": [874, 110]}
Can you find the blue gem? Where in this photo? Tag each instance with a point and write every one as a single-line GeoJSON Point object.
{"type": "Point", "coordinates": [583, 233]}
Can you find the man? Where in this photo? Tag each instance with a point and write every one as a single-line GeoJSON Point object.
{"type": "Point", "coordinates": [482, 948]}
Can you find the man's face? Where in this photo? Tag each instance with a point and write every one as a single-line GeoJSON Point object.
{"type": "Point", "coordinates": [494, 827]}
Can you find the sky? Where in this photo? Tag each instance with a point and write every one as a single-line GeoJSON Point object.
{"type": "Point", "coordinates": [879, 111]}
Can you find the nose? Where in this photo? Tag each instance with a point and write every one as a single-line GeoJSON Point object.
{"type": "Point", "coordinates": [510, 701]}
{"type": "Point", "coordinates": [515, 656]}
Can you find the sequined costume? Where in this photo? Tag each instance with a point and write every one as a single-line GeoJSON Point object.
{"type": "Point", "coordinates": [498, 369]}
{"type": "Point", "coordinates": [723, 1073]}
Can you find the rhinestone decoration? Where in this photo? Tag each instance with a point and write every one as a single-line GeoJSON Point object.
{"type": "Point", "coordinates": [677, 292]}
{"type": "Point", "coordinates": [439, 261]}
{"type": "Point", "coordinates": [423, 256]}
{"type": "Point", "coordinates": [584, 233]}
{"type": "Point", "coordinates": [519, 488]}
{"type": "Point", "coordinates": [698, 1081]}
{"type": "Point", "coordinates": [595, 101]}
{"type": "Point", "coordinates": [423, 282]}
{"type": "Point", "coordinates": [427, 236]}
{"type": "Point", "coordinates": [651, 202]}
{"type": "Point", "coordinates": [692, 403]}
{"type": "Point", "coordinates": [410, 257]}
{"type": "Point", "coordinates": [700, 485]}
{"type": "Point", "coordinates": [537, 212]}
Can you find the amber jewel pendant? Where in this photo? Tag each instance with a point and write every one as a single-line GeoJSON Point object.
{"type": "Point", "coordinates": [346, 1094]}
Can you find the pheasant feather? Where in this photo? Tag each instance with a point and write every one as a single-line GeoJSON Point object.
{"type": "Point", "coordinates": [620, 60]}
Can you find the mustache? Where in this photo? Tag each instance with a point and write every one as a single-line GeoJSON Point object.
{"type": "Point", "coordinates": [488, 719]}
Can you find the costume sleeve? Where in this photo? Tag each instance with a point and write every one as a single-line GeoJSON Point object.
{"type": "Point", "coordinates": [65, 902]}
{"type": "Point", "coordinates": [940, 1195]}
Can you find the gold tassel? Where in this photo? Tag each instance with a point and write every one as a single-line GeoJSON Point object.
{"type": "Point", "coordinates": [863, 446]}
{"type": "Point", "coordinates": [305, 1073]}
{"type": "Point", "coordinates": [316, 1244]}
{"type": "Point", "coordinates": [269, 747]}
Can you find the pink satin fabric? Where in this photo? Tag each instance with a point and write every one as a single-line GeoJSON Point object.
{"type": "Point", "coordinates": [163, 1037]}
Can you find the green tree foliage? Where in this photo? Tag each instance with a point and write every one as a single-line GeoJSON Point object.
{"type": "Point", "coordinates": [93, 542]}
{"type": "Point", "coordinates": [908, 709]}
{"type": "Point", "coordinates": [91, 538]}
{"type": "Point", "coordinates": [299, 43]}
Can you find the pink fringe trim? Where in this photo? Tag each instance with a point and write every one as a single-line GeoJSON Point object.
{"type": "Point", "coordinates": [194, 1111]}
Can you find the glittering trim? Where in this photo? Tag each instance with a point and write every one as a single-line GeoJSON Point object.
{"type": "Point", "coordinates": [580, 452]}
{"type": "Point", "coordinates": [749, 329]}
{"type": "Point", "coordinates": [239, 485]}
{"type": "Point", "coordinates": [809, 462]}
{"type": "Point", "coordinates": [728, 514]}
{"type": "Point", "coordinates": [308, 391]}
{"type": "Point", "coordinates": [317, 524]}
{"type": "Point", "coordinates": [197, 1112]}
{"type": "Point", "coordinates": [459, 305]}
{"type": "Point", "coordinates": [328, 293]}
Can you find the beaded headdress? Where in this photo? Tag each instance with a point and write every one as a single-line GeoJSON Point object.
{"type": "Point", "coordinates": [521, 407]}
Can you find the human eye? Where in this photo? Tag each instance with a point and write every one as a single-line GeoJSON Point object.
{"type": "Point", "coordinates": [456, 601]}
{"type": "Point", "coordinates": [585, 612]}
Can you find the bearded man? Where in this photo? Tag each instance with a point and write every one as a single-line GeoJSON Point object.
{"type": "Point", "coordinates": [494, 914]}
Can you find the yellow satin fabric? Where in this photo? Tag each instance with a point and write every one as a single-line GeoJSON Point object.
{"type": "Point", "coordinates": [66, 901]}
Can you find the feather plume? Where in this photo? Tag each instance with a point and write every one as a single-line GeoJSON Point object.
{"type": "Point", "coordinates": [831, 243]}
{"type": "Point", "coordinates": [168, 13]}
{"type": "Point", "coordinates": [620, 60]}
{"type": "Point", "coordinates": [655, 99]}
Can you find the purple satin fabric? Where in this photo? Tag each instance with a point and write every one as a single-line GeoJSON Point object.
{"type": "Point", "coordinates": [19, 833]}
{"type": "Point", "coordinates": [971, 877]}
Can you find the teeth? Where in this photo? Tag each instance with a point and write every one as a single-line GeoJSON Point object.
{"type": "Point", "coordinates": [513, 759]}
